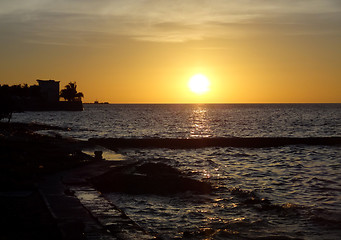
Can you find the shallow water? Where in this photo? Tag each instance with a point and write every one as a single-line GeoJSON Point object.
{"type": "Point", "coordinates": [291, 192]}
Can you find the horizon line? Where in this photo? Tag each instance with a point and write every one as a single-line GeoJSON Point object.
{"type": "Point", "coordinates": [141, 103]}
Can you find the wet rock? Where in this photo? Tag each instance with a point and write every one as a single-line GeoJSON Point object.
{"type": "Point", "coordinates": [247, 142]}
{"type": "Point", "coordinates": [149, 178]}
{"type": "Point", "coordinates": [157, 169]}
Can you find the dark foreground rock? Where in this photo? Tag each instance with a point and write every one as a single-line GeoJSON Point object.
{"type": "Point", "coordinates": [44, 192]}
{"type": "Point", "coordinates": [149, 178]}
{"type": "Point", "coordinates": [27, 158]}
{"type": "Point", "coordinates": [247, 142]}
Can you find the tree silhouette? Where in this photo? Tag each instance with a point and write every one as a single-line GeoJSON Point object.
{"type": "Point", "coordinates": [6, 105]}
{"type": "Point", "coordinates": [69, 93]}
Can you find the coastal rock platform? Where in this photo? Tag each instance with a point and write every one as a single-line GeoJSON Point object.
{"type": "Point", "coordinates": [191, 143]}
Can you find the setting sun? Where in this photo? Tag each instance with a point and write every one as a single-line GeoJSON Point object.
{"type": "Point", "coordinates": [199, 84]}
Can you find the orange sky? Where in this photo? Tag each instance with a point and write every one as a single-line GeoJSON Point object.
{"type": "Point", "coordinates": [145, 51]}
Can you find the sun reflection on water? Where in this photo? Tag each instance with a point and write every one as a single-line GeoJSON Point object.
{"type": "Point", "coordinates": [200, 123]}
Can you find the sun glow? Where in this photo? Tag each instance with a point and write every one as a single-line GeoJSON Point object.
{"type": "Point", "coordinates": [199, 84]}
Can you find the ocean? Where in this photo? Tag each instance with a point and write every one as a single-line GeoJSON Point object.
{"type": "Point", "coordinates": [288, 192]}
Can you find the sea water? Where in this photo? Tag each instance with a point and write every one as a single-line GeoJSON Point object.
{"type": "Point", "coordinates": [280, 192]}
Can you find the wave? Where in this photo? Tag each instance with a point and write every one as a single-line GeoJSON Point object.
{"type": "Point", "coordinates": [248, 142]}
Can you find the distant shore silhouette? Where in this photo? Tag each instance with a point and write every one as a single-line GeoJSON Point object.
{"type": "Point", "coordinates": [42, 97]}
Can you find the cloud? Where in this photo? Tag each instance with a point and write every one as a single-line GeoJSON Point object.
{"type": "Point", "coordinates": [75, 21]}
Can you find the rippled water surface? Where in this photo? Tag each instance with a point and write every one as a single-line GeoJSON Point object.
{"type": "Point", "coordinates": [285, 192]}
{"type": "Point", "coordinates": [190, 121]}
{"type": "Point", "coordinates": [292, 191]}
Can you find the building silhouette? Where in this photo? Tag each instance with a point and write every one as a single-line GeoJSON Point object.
{"type": "Point", "coordinates": [49, 90]}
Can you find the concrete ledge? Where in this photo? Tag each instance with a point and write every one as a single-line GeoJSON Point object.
{"type": "Point", "coordinates": [81, 211]}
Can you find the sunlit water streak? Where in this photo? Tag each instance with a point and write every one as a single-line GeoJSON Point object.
{"type": "Point", "coordinates": [291, 191]}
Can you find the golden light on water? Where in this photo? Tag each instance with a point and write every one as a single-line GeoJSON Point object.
{"type": "Point", "coordinates": [200, 123]}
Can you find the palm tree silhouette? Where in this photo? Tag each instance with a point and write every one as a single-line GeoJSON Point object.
{"type": "Point", "coordinates": [69, 93]}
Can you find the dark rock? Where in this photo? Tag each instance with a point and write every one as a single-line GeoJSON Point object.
{"type": "Point", "coordinates": [157, 169]}
{"type": "Point", "coordinates": [149, 178]}
{"type": "Point", "coordinates": [247, 142]}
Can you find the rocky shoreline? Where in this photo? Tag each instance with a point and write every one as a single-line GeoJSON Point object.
{"type": "Point", "coordinates": [58, 186]}
{"type": "Point", "coordinates": [38, 183]}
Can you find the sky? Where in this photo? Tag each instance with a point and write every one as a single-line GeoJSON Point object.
{"type": "Point", "coordinates": [145, 51]}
